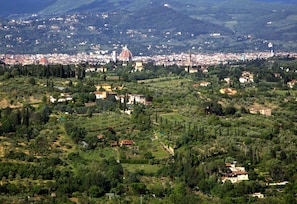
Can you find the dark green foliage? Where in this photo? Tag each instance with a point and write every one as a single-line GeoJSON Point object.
{"type": "Point", "coordinates": [32, 81]}
{"type": "Point", "coordinates": [148, 155]}
{"type": "Point", "coordinates": [28, 170]}
{"type": "Point", "coordinates": [138, 188]}
{"type": "Point", "coordinates": [213, 107]}
{"type": "Point", "coordinates": [114, 173]}
{"type": "Point", "coordinates": [17, 121]}
{"type": "Point", "coordinates": [141, 117]}
{"type": "Point", "coordinates": [45, 71]}
{"type": "Point", "coordinates": [106, 105]}
{"type": "Point", "coordinates": [76, 133]}
{"type": "Point", "coordinates": [230, 110]}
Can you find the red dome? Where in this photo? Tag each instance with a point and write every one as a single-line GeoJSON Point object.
{"type": "Point", "coordinates": [126, 54]}
{"type": "Point", "coordinates": [43, 61]}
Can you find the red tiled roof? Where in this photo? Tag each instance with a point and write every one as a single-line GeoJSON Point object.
{"type": "Point", "coordinates": [126, 142]}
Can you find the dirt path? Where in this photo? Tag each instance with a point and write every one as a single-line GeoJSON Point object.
{"type": "Point", "coordinates": [170, 150]}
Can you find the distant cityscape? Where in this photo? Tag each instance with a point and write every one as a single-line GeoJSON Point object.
{"type": "Point", "coordinates": [180, 59]}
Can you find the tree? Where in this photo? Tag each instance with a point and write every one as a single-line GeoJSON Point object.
{"type": "Point", "coordinates": [95, 191]}
{"type": "Point", "coordinates": [115, 172]}
{"type": "Point", "coordinates": [26, 115]}
{"type": "Point", "coordinates": [275, 169]}
{"type": "Point", "coordinates": [213, 107]}
{"type": "Point", "coordinates": [230, 110]}
{"type": "Point", "coordinates": [6, 76]}
{"type": "Point", "coordinates": [283, 155]}
{"type": "Point", "coordinates": [45, 113]}
{"type": "Point", "coordinates": [148, 155]}
{"type": "Point", "coordinates": [40, 145]}
{"type": "Point", "coordinates": [141, 117]}
{"type": "Point", "coordinates": [76, 133]}
{"type": "Point", "coordinates": [138, 188]}
{"type": "Point", "coordinates": [7, 126]}
{"type": "Point", "coordinates": [32, 81]}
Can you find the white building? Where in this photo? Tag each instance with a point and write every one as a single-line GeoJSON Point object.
{"type": "Point", "coordinates": [62, 98]}
{"type": "Point", "coordinates": [235, 174]}
{"type": "Point", "coordinates": [132, 99]}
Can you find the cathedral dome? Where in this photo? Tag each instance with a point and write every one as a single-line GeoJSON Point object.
{"type": "Point", "coordinates": [126, 55]}
{"type": "Point", "coordinates": [43, 61]}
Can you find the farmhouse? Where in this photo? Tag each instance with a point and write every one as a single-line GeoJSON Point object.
{"type": "Point", "coordinates": [234, 173]}
{"type": "Point", "coordinates": [132, 99]}
{"type": "Point", "coordinates": [126, 142]}
{"type": "Point", "coordinates": [101, 95]}
{"type": "Point", "coordinates": [62, 98]}
{"type": "Point", "coordinates": [246, 77]}
{"type": "Point", "coordinates": [192, 70]}
{"type": "Point", "coordinates": [257, 195]}
{"type": "Point", "coordinates": [138, 66]}
{"type": "Point", "coordinates": [291, 83]}
{"type": "Point", "coordinates": [94, 69]}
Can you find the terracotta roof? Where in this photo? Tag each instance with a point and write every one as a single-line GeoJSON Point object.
{"type": "Point", "coordinates": [43, 61]}
{"type": "Point", "coordinates": [126, 142]}
{"type": "Point", "coordinates": [126, 54]}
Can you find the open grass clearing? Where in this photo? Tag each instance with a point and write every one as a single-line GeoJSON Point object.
{"type": "Point", "coordinates": [159, 152]}
{"type": "Point", "coordinates": [149, 81]}
{"type": "Point", "coordinates": [147, 168]}
{"type": "Point", "coordinates": [101, 122]}
{"type": "Point", "coordinates": [174, 117]}
{"type": "Point", "coordinates": [99, 154]}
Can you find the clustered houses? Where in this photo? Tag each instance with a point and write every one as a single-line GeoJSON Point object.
{"type": "Point", "coordinates": [234, 174]}
{"type": "Point", "coordinates": [132, 99]}
{"type": "Point", "coordinates": [122, 143]}
{"type": "Point", "coordinates": [62, 98]}
{"type": "Point", "coordinates": [95, 69]}
{"type": "Point", "coordinates": [103, 91]}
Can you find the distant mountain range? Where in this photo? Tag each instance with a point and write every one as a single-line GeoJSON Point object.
{"type": "Point", "coordinates": [49, 7]}
{"type": "Point", "coordinates": [207, 25]}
